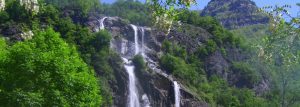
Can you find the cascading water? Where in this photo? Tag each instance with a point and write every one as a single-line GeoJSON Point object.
{"type": "Point", "coordinates": [133, 91]}
{"type": "Point", "coordinates": [143, 47]}
{"type": "Point", "coordinates": [177, 94]}
{"type": "Point", "coordinates": [133, 97]}
{"type": "Point", "coordinates": [136, 39]}
{"type": "Point", "coordinates": [101, 23]}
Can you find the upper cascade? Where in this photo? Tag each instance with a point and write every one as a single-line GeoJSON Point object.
{"type": "Point", "coordinates": [101, 23]}
{"type": "Point", "coordinates": [136, 39]}
{"type": "Point", "coordinates": [234, 14]}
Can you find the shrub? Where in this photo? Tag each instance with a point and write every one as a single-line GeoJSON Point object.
{"type": "Point", "coordinates": [139, 63]}
{"type": "Point", "coordinates": [248, 76]}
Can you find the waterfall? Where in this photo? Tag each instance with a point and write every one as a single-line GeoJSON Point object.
{"type": "Point", "coordinates": [123, 48]}
{"type": "Point", "coordinates": [154, 66]}
{"type": "Point", "coordinates": [133, 97]}
{"type": "Point", "coordinates": [177, 94]}
{"type": "Point", "coordinates": [136, 39]}
{"type": "Point", "coordinates": [101, 23]}
{"type": "Point", "coordinates": [133, 92]}
{"type": "Point", "coordinates": [146, 102]}
{"type": "Point", "coordinates": [143, 47]}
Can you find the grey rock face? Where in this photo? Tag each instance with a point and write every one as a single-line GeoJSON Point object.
{"type": "Point", "coordinates": [154, 83]}
{"type": "Point", "coordinates": [234, 14]}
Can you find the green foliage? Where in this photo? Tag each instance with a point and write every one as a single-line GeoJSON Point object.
{"type": "Point", "coordinates": [211, 46]}
{"type": "Point", "coordinates": [174, 49]}
{"type": "Point", "coordinates": [101, 40]}
{"type": "Point", "coordinates": [164, 12]}
{"type": "Point", "coordinates": [17, 13]}
{"type": "Point", "coordinates": [136, 12]}
{"type": "Point", "coordinates": [4, 16]}
{"type": "Point", "coordinates": [139, 63]}
{"type": "Point", "coordinates": [78, 7]}
{"type": "Point", "coordinates": [94, 49]}
{"type": "Point", "coordinates": [179, 68]}
{"type": "Point", "coordinates": [248, 76]}
{"type": "Point", "coordinates": [208, 49]}
{"type": "Point", "coordinates": [281, 50]}
{"type": "Point", "coordinates": [45, 71]}
{"type": "Point", "coordinates": [49, 14]}
{"type": "Point", "coordinates": [224, 51]}
{"type": "Point", "coordinates": [167, 46]}
{"type": "Point", "coordinates": [221, 35]}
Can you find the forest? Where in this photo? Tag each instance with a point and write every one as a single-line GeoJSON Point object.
{"type": "Point", "coordinates": [55, 53]}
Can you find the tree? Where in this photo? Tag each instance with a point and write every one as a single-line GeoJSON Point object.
{"type": "Point", "coordinates": [166, 11]}
{"type": "Point", "coordinates": [281, 49]}
{"type": "Point", "coordinates": [80, 7]}
{"type": "Point", "coordinates": [29, 5]}
{"type": "Point", "coordinates": [45, 71]}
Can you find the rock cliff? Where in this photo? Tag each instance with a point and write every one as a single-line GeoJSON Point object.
{"type": "Point", "coordinates": [234, 14]}
{"type": "Point", "coordinates": [156, 83]}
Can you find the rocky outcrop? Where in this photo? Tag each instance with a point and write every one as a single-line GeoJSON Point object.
{"type": "Point", "coordinates": [234, 13]}
{"type": "Point", "coordinates": [154, 84]}
{"type": "Point", "coordinates": [189, 36]}
{"type": "Point", "coordinates": [14, 32]}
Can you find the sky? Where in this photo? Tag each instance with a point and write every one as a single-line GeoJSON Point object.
{"type": "Point", "coordinates": [260, 3]}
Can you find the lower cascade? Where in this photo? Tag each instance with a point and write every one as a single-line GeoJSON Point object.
{"type": "Point", "coordinates": [133, 92]}
{"type": "Point", "coordinates": [177, 94]}
{"type": "Point", "coordinates": [133, 97]}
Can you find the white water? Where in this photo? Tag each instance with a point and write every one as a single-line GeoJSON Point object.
{"type": "Point", "coordinates": [101, 23]}
{"type": "Point", "coordinates": [143, 48]}
{"type": "Point", "coordinates": [146, 102]}
{"type": "Point", "coordinates": [177, 94]}
{"type": "Point", "coordinates": [123, 48]}
{"type": "Point", "coordinates": [136, 39]}
{"type": "Point", "coordinates": [133, 92]}
{"type": "Point", "coordinates": [154, 66]}
{"type": "Point", "coordinates": [133, 97]}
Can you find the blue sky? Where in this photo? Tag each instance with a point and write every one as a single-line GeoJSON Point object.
{"type": "Point", "coordinates": [260, 3]}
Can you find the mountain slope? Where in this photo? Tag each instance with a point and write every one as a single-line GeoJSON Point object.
{"type": "Point", "coordinates": [234, 13]}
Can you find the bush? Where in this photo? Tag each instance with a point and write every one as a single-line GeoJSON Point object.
{"type": "Point", "coordinates": [79, 7]}
{"type": "Point", "coordinates": [180, 69]}
{"type": "Point", "coordinates": [136, 12]}
{"type": "Point", "coordinates": [139, 63]}
{"type": "Point", "coordinates": [101, 40]}
{"type": "Point", "coordinates": [4, 16]}
{"type": "Point", "coordinates": [247, 75]}
{"type": "Point", "coordinates": [167, 46]}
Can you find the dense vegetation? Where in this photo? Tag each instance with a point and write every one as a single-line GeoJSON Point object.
{"type": "Point", "coordinates": [136, 12]}
{"type": "Point", "coordinates": [65, 64]}
{"type": "Point", "coordinates": [53, 73]}
{"type": "Point", "coordinates": [45, 71]}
